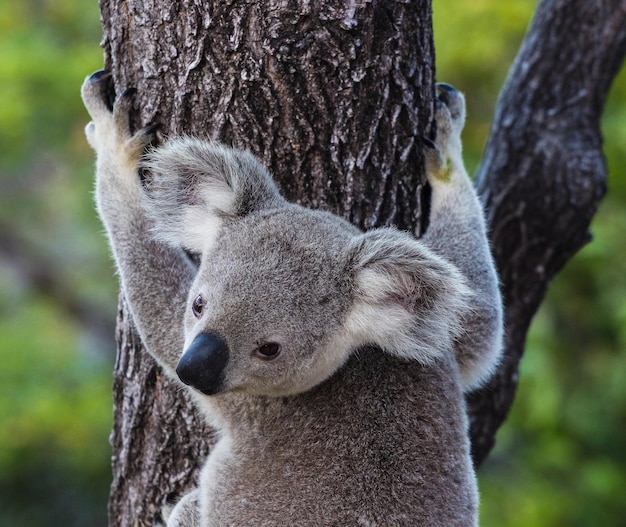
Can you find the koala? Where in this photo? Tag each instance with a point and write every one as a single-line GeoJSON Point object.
{"type": "Point", "coordinates": [333, 362]}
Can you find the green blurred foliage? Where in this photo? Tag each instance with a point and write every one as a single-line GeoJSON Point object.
{"type": "Point", "coordinates": [55, 373]}
{"type": "Point", "coordinates": [560, 459]}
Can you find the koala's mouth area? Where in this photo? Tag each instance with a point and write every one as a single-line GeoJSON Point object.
{"type": "Point", "coordinates": [202, 365]}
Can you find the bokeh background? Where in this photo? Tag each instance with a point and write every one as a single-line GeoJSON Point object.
{"type": "Point", "coordinates": [560, 459]}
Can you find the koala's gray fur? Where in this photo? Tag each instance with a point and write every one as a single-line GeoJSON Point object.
{"type": "Point", "coordinates": [332, 361]}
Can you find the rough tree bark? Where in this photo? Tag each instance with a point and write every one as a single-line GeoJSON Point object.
{"type": "Point", "coordinates": [333, 97]}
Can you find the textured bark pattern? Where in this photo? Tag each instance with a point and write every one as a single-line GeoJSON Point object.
{"type": "Point", "coordinates": [543, 173]}
{"type": "Point", "coordinates": [157, 436]}
{"type": "Point", "coordinates": [332, 96]}
{"type": "Point", "coordinates": [327, 94]}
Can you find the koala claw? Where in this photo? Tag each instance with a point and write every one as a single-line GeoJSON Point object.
{"type": "Point", "coordinates": [98, 93]}
{"type": "Point", "coordinates": [109, 132]}
{"type": "Point", "coordinates": [445, 150]}
{"type": "Point", "coordinates": [135, 143]}
{"type": "Point", "coordinates": [454, 101]}
{"type": "Point", "coordinates": [428, 143]}
{"type": "Point", "coordinates": [96, 75]}
{"type": "Point", "coordinates": [434, 158]}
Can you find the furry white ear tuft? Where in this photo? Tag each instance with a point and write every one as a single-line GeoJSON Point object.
{"type": "Point", "coordinates": [195, 184]}
{"type": "Point", "coordinates": [408, 300]}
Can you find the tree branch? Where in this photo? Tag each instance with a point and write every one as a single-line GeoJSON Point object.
{"type": "Point", "coordinates": [543, 174]}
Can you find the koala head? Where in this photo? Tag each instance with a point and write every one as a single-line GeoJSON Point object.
{"type": "Point", "coordinates": [283, 294]}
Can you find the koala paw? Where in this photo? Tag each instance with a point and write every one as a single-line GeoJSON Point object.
{"type": "Point", "coordinates": [444, 152]}
{"type": "Point", "coordinates": [109, 132]}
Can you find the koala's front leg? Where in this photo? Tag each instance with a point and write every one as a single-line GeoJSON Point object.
{"type": "Point", "coordinates": [457, 231]}
{"type": "Point", "coordinates": [155, 278]}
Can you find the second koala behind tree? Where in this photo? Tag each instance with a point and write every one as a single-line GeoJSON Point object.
{"type": "Point", "coordinates": [332, 361]}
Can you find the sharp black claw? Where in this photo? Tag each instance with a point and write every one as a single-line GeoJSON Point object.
{"type": "Point", "coordinates": [101, 81]}
{"type": "Point", "coordinates": [151, 129]}
{"type": "Point", "coordinates": [446, 92]}
{"type": "Point", "coordinates": [429, 143]}
{"type": "Point", "coordinates": [128, 93]}
{"type": "Point", "coordinates": [446, 87]}
{"type": "Point", "coordinates": [99, 75]}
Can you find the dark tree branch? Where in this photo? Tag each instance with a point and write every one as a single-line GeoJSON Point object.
{"type": "Point", "coordinates": [543, 173]}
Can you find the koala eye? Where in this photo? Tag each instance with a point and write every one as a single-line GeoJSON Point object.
{"type": "Point", "coordinates": [268, 351]}
{"type": "Point", "coordinates": [197, 306]}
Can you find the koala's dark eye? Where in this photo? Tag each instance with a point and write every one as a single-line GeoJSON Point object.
{"type": "Point", "coordinates": [268, 351]}
{"type": "Point", "coordinates": [197, 306]}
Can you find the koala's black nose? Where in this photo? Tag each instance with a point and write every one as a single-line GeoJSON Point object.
{"type": "Point", "coordinates": [202, 365]}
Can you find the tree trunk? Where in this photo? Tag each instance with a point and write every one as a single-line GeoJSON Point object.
{"type": "Point", "coordinates": [333, 98]}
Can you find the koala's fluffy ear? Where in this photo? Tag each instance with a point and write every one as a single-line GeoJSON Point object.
{"type": "Point", "coordinates": [408, 300]}
{"type": "Point", "coordinates": [194, 185]}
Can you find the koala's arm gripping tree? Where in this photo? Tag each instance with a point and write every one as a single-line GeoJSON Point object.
{"type": "Point", "coordinates": [457, 231]}
{"type": "Point", "coordinates": [333, 98]}
{"type": "Point", "coordinates": [142, 261]}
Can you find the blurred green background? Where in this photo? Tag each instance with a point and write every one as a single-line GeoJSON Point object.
{"type": "Point", "coordinates": [560, 459]}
